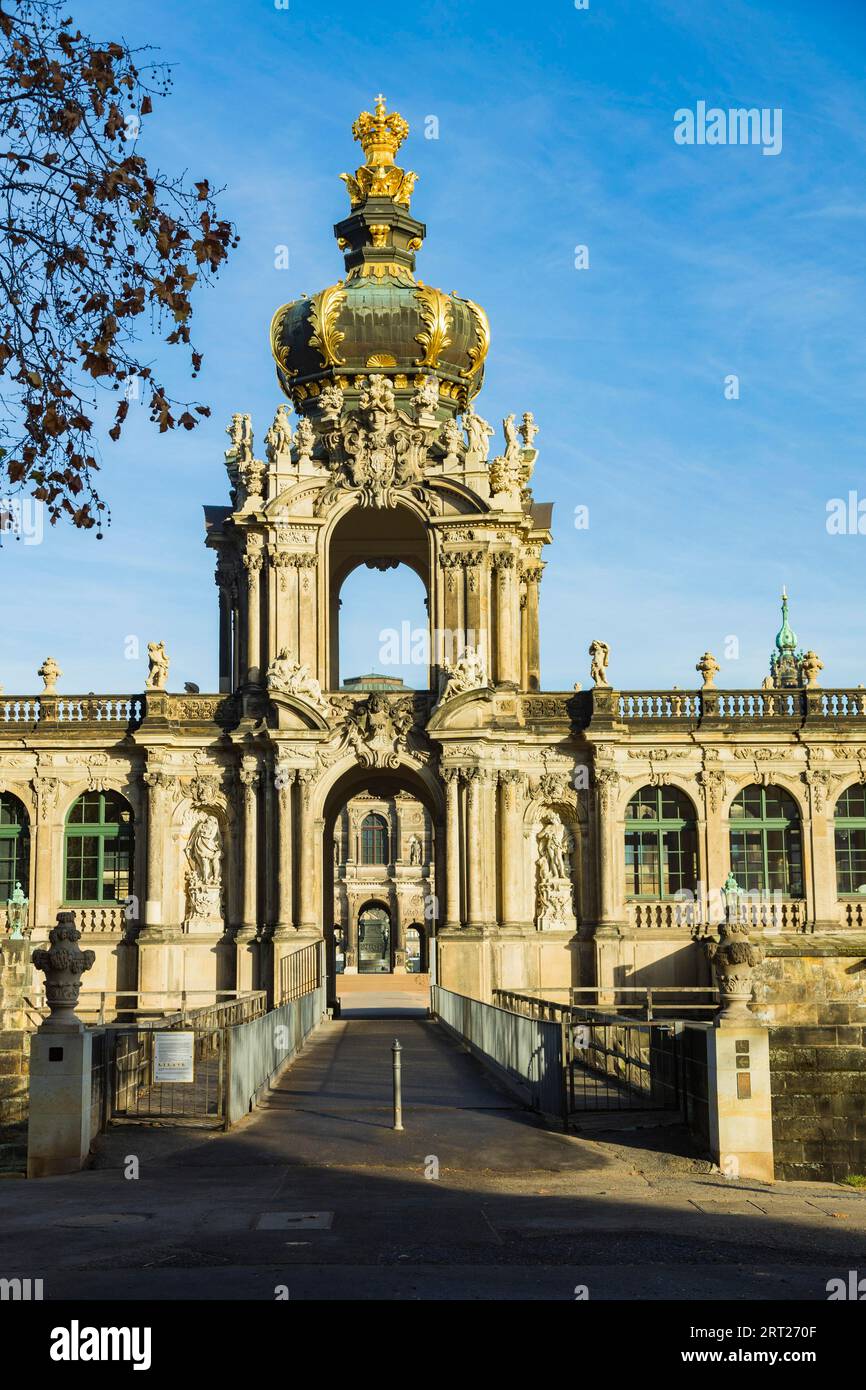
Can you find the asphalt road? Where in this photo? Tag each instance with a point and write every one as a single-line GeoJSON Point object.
{"type": "Point", "coordinates": [315, 1196]}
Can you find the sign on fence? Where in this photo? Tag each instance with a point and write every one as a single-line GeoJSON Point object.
{"type": "Point", "coordinates": [173, 1057]}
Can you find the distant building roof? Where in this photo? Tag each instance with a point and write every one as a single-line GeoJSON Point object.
{"type": "Point", "coordinates": [373, 681]}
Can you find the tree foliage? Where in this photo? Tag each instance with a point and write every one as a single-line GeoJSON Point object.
{"type": "Point", "coordinates": [91, 239]}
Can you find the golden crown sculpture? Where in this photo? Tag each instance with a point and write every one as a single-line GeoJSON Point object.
{"type": "Point", "coordinates": [380, 136]}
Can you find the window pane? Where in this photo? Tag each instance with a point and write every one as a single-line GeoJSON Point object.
{"type": "Point", "coordinates": [852, 803]}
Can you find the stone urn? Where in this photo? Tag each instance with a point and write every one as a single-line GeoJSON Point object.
{"type": "Point", "coordinates": [63, 964]}
{"type": "Point", "coordinates": [734, 958]}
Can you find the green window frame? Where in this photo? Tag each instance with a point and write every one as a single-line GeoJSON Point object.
{"type": "Point", "coordinates": [766, 841]}
{"type": "Point", "coordinates": [14, 846]}
{"type": "Point", "coordinates": [661, 844]}
{"type": "Point", "coordinates": [99, 846]}
{"type": "Point", "coordinates": [374, 839]}
{"type": "Point", "coordinates": [850, 842]}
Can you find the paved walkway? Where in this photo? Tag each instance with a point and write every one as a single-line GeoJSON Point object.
{"type": "Point", "coordinates": [317, 1193]}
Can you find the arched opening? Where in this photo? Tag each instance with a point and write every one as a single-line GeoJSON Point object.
{"type": "Point", "coordinates": [381, 835]}
{"type": "Point", "coordinates": [379, 594]}
{"type": "Point", "coordinates": [416, 955]}
{"type": "Point", "coordinates": [374, 940]}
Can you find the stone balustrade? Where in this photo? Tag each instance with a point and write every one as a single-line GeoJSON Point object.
{"type": "Point", "coordinates": [743, 707]}
{"type": "Point", "coordinates": [111, 711]}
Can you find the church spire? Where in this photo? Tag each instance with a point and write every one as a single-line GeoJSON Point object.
{"type": "Point", "coordinates": [785, 662]}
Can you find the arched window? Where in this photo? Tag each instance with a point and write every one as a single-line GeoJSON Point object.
{"type": "Point", "coordinates": [660, 843]}
{"type": "Point", "coordinates": [766, 842]}
{"type": "Point", "coordinates": [14, 846]}
{"type": "Point", "coordinates": [374, 839]}
{"type": "Point", "coordinates": [851, 841]}
{"type": "Point", "coordinates": [99, 845]}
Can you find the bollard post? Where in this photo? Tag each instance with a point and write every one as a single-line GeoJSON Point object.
{"type": "Point", "coordinates": [398, 1097]}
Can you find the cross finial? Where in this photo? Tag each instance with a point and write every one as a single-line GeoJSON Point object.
{"type": "Point", "coordinates": [380, 104]}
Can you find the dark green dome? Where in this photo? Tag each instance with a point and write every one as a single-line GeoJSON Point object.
{"type": "Point", "coordinates": [379, 318]}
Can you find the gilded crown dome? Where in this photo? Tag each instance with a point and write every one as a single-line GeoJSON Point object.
{"type": "Point", "coordinates": [379, 318]}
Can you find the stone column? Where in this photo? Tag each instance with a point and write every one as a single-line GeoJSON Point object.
{"type": "Point", "coordinates": [267, 841]}
{"type": "Point", "coordinates": [473, 857]}
{"type": "Point", "coordinates": [253, 566]}
{"type": "Point", "coordinates": [716, 856]}
{"type": "Point", "coordinates": [43, 908]}
{"type": "Point", "coordinates": [398, 935]}
{"type": "Point", "coordinates": [308, 644]}
{"type": "Point", "coordinates": [476, 634]}
{"type": "Point", "coordinates": [225, 647]}
{"type": "Point", "coordinates": [487, 845]}
{"type": "Point", "coordinates": [249, 779]}
{"type": "Point", "coordinates": [507, 608]}
{"type": "Point", "coordinates": [284, 780]}
{"type": "Point", "coordinates": [307, 909]}
{"type": "Point", "coordinates": [451, 777]}
{"type": "Point", "coordinates": [530, 618]}
{"type": "Point", "coordinates": [351, 936]}
{"type": "Point", "coordinates": [511, 784]}
{"type": "Point", "coordinates": [160, 787]}
{"type": "Point", "coordinates": [607, 786]}
{"type": "Point", "coordinates": [824, 903]}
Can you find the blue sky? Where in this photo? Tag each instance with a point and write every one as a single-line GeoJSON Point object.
{"type": "Point", "coordinates": [555, 130]}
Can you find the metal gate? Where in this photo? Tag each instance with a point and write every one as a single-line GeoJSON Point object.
{"type": "Point", "coordinates": [618, 1064]}
{"type": "Point", "coordinates": [136, 1096]}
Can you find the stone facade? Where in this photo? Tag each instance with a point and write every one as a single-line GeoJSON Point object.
{"type": "Point", "coordinates": [528, 796]}
{"type": "Point", "coordinates": [397, 881]}
{"type": "Point", "coordinates": [819, 1101]}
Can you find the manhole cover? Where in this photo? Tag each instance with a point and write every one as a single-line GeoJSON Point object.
{"type": "Point", "coordinates": [295, 1220]}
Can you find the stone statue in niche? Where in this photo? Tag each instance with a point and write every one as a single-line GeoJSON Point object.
{"type": "Point", "coordinates": [554, 895]}
{"type": "Point", "coordinates": [204, 874]}
{"type": "Point", "coordinates": [415, 852]}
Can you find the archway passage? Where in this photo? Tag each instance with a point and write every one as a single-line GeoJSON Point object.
{"type": "Point", "coordinates": [383, 835]}
{"type": "Point", "coordinates": [366, 540]}
{"type": "Point", "coordinates": [384, 630]}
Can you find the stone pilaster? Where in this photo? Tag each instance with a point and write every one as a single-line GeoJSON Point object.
{"type": "Point", "coordinates": [284, 780]}
{"type": "Point", "coordinates": [249, 779]}
{"type": "Point", "coordinates": [453, 855]}
{"type": "Point", "coordinates": [160, 789]}
{"type": "Point", "coordinates": [511, 794]}
{"type": "Point", "coordinates": [307, 906]}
